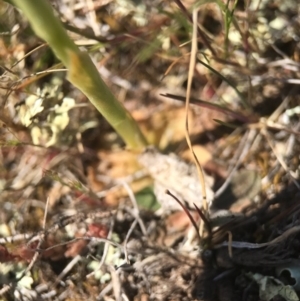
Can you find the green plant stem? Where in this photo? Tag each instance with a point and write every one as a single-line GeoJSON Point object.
{"type": "Point", "coordinates": [82, 72]}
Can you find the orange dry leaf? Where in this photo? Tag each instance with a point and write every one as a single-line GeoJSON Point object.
{"type": "Point", "coordinates": [95, 230]}
{"type": "Point", "coordinates": [75, 248]}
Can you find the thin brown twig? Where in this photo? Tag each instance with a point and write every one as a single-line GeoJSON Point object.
{"type": "Point", "coordinates": [136, 211]}
{"type": "Point", "coordinates": [187, 213]}
{"type": "Point", "coordinates": [247, 245]}
{"type": "Point", "coordinates": [29, 53]}
{"type": "Point", "coordinates": [88, 238]}
{"type": "Point", "coordinates": [76, 218]}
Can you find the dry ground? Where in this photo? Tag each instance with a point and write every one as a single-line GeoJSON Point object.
{"type": "Point", "coordinates": [77, 222]}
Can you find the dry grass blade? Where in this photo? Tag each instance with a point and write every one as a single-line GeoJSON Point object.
{"type": "Point", "coordinates": [188, 95]}
{"type": "Point", "coordinates": [212, 106]}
